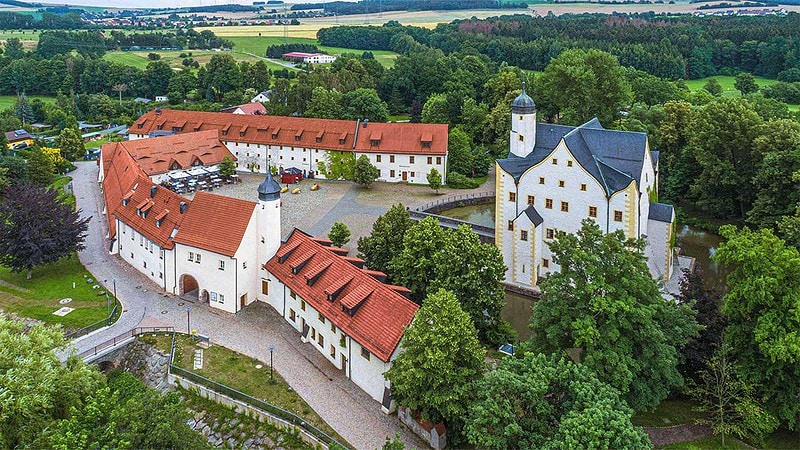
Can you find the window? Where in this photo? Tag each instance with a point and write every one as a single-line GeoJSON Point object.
{"type": "Point", "coordinates": [197, 258]}
{"type": "Point", "coordinates": [160, 275]}
{"type": "Point", "coordinates": [213, 296]}
{"type": "Point", "coordinates": [430, 160]}
{"type": "Point", "coordinates": [391, 174]}
{"type": "Point", "coordinates": [550, 233]}
{"type": "Point", "coordinates": [617, 216]}
{"type": "Point", "coordinates": [512, 196]}
{"type": "Point", "coordinates": [313, 333]}
{"type": "Point", "coordinates": [555, 161]}
{"type": "Point", "coordinates": [531, 199]}
{"type": "Point", "coordinates": [548, 203]}
{"type": "Point", "coordinates": [364, 353]}
{"type": "Point", "coordinates": [391, 158]}
{"type": "Point", "coordinates": [438, 160]}
{"type": "Point", "coordinates": [560, 183]}
{"type": "Point", "coordinates": [541, 180]}
{"type": "Point", "coordinates": [333, 328]}
{"type": "Point", "coordinates": [302, 305]}
{"type": "Point", "coordinates": [583, 186]}
{"type": "Point", "coordinates": [265, 287]}
{"type": "Point", "coordinates": [569, 163]}
{"type": "Point", "coordinates": [320, 339]}
{"type": "Point", "coordinates": [523, 235]}
{"type": "Point", "coordinates": [593, 211]}
{"type": "Point", "coordinates": [145, 264]}
{"type": "Point", "coordinates": [321, 317]}
{"type": "Point", "coordinates": [521, 137]}
{"type": "Point", "coordinates": [411, 160]}
{"type": "Point", "coordinates": [221, 298]}
{"type": "Point", "coordinates": [191, 256]}
{"type": "Point", "coordinates": [545, 263]}
{"type": "Point", "coordinates": [131, 255]}
{"type": "Point", "coordinates": [293, 295]}
{"type": "Point", "coordinates": [221, 265]}
{"type": "Point", "coordinates": [244, 265]}
{"type": "Point", "coordinates": [292, 315]}
{"type": "Point", "coordinates": [510, 225]}
{"type": "Point", "coordinates": [333, 351]}
{"type": "Point", "coordinates": [377, 158]}
{"type": "Point", "coordinates": [564, 206]}
{"type": "Point", "coordinates": [413, 174]}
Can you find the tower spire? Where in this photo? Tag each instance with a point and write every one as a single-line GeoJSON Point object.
{"type": "Point", "coordinates": [523, 83]}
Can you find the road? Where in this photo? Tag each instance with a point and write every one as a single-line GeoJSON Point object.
{"type": "Point", "coordinates": [346, 408]}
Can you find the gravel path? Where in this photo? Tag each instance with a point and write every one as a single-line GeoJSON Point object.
{"type": "Point", "coordinates": [346, 408]}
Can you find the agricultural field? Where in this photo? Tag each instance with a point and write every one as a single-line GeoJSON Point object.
{"type": "Point", "coordinates": [257, 45]}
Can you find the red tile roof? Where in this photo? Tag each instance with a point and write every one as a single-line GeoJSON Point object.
{"type": "Point", "coordinates": [324, 134]}
{"type": "Point", "coordinates": [165, 153]}
{"type": "Point", "coordinates": [378, 313]}
{"type": "Point", "coordinates": [215, 223]}
{"type": "Point", "coordinates": [253, 108]}
{"type": "Point", "coordinates": [210, 222]}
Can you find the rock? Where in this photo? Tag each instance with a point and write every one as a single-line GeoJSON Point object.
{"type": "Point", "coordinates": [206, 430]}
{"type": "Point", "coordinates": [248, 443]}
{"type": "Point", "coordinates": [191, 423]}
{"type": "Point", "coordinates": [199, 415]}
{"type": "Point", "coordinates": [234, 422]}
{"type": "Point", "coordinates": [232, 442]}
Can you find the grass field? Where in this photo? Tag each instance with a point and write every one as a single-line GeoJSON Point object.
{"type": "Point", "coordinates": [9, 101]}
{"type": "Point", "coordinates": [239, 372]}
{"type": "Point", "coordinates": [668, 413]}
{"type": "Point", "coordinates": [258, 45]}
{"type": "Point", "coordinates": [727, 84]}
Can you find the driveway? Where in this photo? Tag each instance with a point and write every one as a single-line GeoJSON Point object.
{"type": "Point", "coordinates": [346, 408]}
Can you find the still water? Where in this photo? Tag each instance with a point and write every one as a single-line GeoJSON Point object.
{"type": "Point", "coordinates": [696, 243]}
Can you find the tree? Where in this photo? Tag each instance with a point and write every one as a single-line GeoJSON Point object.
{"type": "Point", "coordinates": [126, 414]}
{"type": "Point", "coordinates": [459, 149]}
{"type": "Point", "coordinates": [38, 388]}
{"type": "Point", "coordinates": [120, 88]}
{"type": "Point", "coordinates": [339, 234]}
{"type": "Point", "coordinates": [604, 303]}
{"type": "Point", "coordinates": [23, 110]}
{"type": "Point", "coordinates": [442, 358]}
{"type": "Point", "coordinates": [14, 49]}
{"type": "Point", "coordinates": [414, 267]}
{"type": "Point", "coordinates": [364, 173]}
{"type": "Point", "coordinates": [325, 104]}
{"type": "Point", "coordinates": [227, 167]}
{"type": "Point", "coordinates": [153, 56]}
{"type": "Point", "coordinates": [36, 229]}
{"type": "Point", "coordinates": [761, 306]}
{"type": "Point", "coordinates": [16, 168]}
{"type": "Point", "coordinates": [713, 87]}
{"type": "Point", "coordinates": [436, 109]}
{"type": "Point", "coordinates": [41, 170]}
{"type": "Point", "coordinates": [745, 83]}
{"type": "Point", "coordinates": [338, 164]}
{"type": "Point", "coordinates": [778, 143]}
{"type": "Point", "coordinates": [394, 443]}
{"type": "Point", "coordinates": [729, 404]}
{"type": "Point", "coordinates": [582, 84]}
{"type": "Point", "coordinates": [386, 239]}
{"type": "Point", "coordinates": [415, 111]}
{"type": "Point", "coordinates": [434, 179]}
{"type": "Point", "coordinates": [540, 401]}
{"type": "Point", "coordinates": [364, 104]}
{"type": "Point", "coordinates": [156, 77]}
{"type": "Point", "coordinates": [707, 306]}
{"type": "Point", "coordinates": [222, 75]}
{"type": "Point", "coordinates": [71, 144]}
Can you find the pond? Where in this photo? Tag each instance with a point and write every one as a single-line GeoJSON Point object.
{"type": "Point", "coordinates": [695, 243]}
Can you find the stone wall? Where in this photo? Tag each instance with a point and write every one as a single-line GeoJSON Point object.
{"type": "Point", "coordinates": [434, 434]}
{"type": "Point", "coordinates": [143, 361]}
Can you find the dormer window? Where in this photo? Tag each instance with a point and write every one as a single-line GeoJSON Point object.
{"type": "Point", "coordinates": [319, 136]}
{"type": "Point", "coordinates": [426, 145]}
{"type": "Point", "coordinates": [275, 132]}
{"type": "Point", "coordinates": [298, 135]}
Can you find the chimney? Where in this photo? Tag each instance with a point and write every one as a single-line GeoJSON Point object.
{"type": "Point", "coordinates": [183, 207]}
{"type": "Point", "coordinates": [153, 190]}
{"type": "Point", "coordinates": [366, 121]}
{"type": "Point", "coordinates": [158, 111]}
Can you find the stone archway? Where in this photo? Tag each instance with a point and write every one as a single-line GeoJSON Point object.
{"type": "Point", "coordinates": [189, 287]}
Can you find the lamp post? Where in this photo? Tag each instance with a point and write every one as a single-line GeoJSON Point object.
{"type": "Point", "coordinates": [188, 327]}
{"type": "Point", "coordinates": [271, 349]}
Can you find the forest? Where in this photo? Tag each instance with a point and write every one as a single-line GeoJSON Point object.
{"type": "Point", "coordinates": [371, 6]}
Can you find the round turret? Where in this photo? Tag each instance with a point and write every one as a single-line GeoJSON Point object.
{"type": "Point", "coordinates": [269, 189]}
{"type": "Point", "coordinates": [523, 104]}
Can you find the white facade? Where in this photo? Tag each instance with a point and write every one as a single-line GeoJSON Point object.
{"type": "Point", "coordinates": [162, 98]}
{"type": "Point", "coordinates": [319, 58]}
{"type": "Point", "coordinates": [542, 190]}
{"type": "Point", "coordinates": [262, 97]}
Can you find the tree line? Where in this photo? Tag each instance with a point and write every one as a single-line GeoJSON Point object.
{"type": "Point", "coordinates": [367, 6]}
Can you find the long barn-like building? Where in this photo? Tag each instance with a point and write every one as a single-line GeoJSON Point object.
{"type": "Point", "coordinates": [402, 152]}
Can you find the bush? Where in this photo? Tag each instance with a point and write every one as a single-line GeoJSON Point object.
{"type": "Point", "coordinates": [458, 181]}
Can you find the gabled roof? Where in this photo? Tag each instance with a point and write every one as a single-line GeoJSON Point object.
{"type": "Point", "coordinates": [253, 108]}
{"type": "Point", "coordinates": [661, 212]}
{"type": "Point", "coordinates": [341, 135]}
{"type": "Point", "coordinates": [532, 215]}
{"type": "Point", "coordinates": [371, 313]}
{"type": "Point", "coordinates": [17, 135]}
{"type": "Point", "coordinates": [155, 156]}
{"type": "Point", "coordinates": [215, 223]}
{"type": "Point", "coordinates": [614, 158]}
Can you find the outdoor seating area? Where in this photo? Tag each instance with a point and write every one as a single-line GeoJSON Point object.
{"type": "Point", "coordinates": [197, 179]}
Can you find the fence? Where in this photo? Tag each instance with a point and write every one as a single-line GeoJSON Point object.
{"type": "Point", "coordinates": [95, 326]}
{"type": "Point", "coordinates": [266, 407]}
{"type": "Point", "coordinates": [122, 338]}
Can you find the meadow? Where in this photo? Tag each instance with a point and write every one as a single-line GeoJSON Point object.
{"type": "Point", "coordinates": [257, 45]}
{"type": "Point", "coordinates": [9, 101]}
{"type": "Point", "coordinates": [727, 83]}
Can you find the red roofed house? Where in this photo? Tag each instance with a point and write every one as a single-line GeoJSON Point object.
{"type": "Point", "coordinates": [400, 151]}
{"type": "Point", "coordinates": [211, 247]}
{"type": "Point", "coordinates": [345, 311]}
{"type": "Point", "coordinates": [253, 109]}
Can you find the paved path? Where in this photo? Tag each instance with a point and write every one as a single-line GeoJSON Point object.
{"type": "Point", "coordinates": [355, 416]}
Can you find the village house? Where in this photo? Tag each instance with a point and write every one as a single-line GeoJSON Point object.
{"type": "Point", "coordinates": [252, 108]}
{"type": "Point", "coordinates": [556, 176]}
{"type": "Point", "coordinates": [309, 58]}
{"type": "Point", "coordinates": [402, 152]}
{"type": "Point", "coordinates": [227, 253]}
{"type": "Point", "coordinates": [262, 96]}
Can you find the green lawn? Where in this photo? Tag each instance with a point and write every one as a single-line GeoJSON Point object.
{"type": "Point", "coordinates": [727, 84]}
{"type": "Point", "coordinates": [258, 45]}
{"type": "Point", "coordinates": [39, 297]}
{"type": "Point", "coordinates": [9, 101]}
{"type": "Point", "coordinates": [712, 443]}
{"type": "Point", "coordinates": [667, 413]}
{"type": "Point", "coordinates": [239, 372]}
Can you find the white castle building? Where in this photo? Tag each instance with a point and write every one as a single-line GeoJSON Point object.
{"type": "Point", "coordinates": [228, 253]}
{"type": "Point", "coordinates": [556, 176]}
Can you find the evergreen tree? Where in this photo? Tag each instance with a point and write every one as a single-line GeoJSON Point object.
{"type": "Point", "coordinates": [23, 110]}
{"type": "Point", "coordinates": [339, 234]}
{"type": "Point", "coordinates": [227, 167]}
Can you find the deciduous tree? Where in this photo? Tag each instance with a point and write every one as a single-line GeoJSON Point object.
{"type": "Point", "coordinates": [386, 239]}
{"type": "Point", "coordinates": [543, 401]}
{"type": "Point", "coordinates": [37, 229]}
{"type": "Point", "coordinates": [339, 234]}
{"type": "Point", "coordinates": [603, 302]}
{"type": "Point", "coordinates": [713, 87]}
{"type": "Point", "coordinates": [414, 267]}
{"type": "Point", "coordinates": [41, 170]}
{"type": "Point", "coordinates": [71, 144]}
{"type": "Point", "coordinates": [364, 173]}
{"type": "Point", "coordinates": [227, 167]}
{"type": "Point", "coordinates": [434, 179]}
{"type": "Point", "coordinates": [745, 83]}
{"type": "Point", "coordinates": [707, 305]}
{"type": "Point", "coordinates": [442, 358]}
